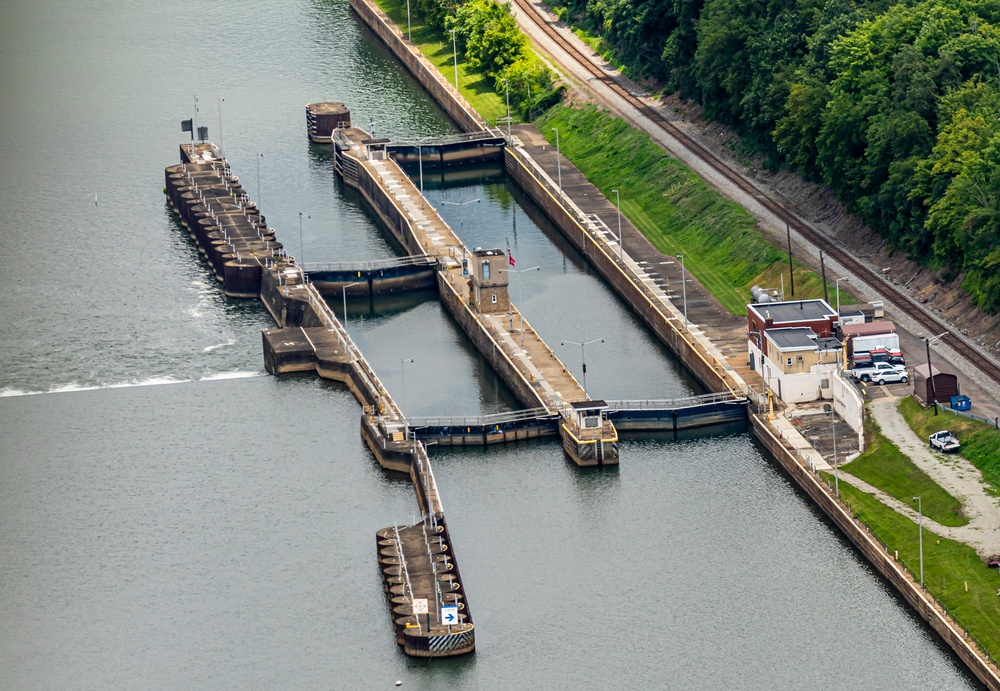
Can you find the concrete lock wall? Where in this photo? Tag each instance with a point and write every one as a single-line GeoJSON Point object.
{"type": "Point", "coordinates": [708, 373]}
{"type": "Point", "coordinates": [443, 93]}
{"type": "Point", "coordinates": [515, 380]}
{"type": "Point", "coordinates": [876, 554]}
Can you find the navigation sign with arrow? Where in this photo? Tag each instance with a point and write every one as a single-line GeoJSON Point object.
{"type": "Point", "coordinates": [449, 615]}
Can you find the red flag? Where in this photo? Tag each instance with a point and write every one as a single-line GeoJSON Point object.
{"type": "Point", "coordinates": [510, 257]}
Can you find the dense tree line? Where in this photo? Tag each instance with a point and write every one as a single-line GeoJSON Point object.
{"type": "Point", "coordinates": [487, 35]}
{"type": "Point", "coordinates": [894, 105]}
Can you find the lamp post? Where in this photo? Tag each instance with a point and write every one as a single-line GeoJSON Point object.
{"type": "Point", "coordinates": [454, 54]}
{"type": "Point", "coordinates": [259, 156]}
{"type": "Point", "coordinates": [420, 164]}
{"type": "Point", "coordinates": [409, 35]}
{"type": "Point", "coordinates": [462, 218]}
{"type": "Point", "coordinates": [558, 157]}
{"type": "Point", "coordinates": [684, 291]}
{"type": "Point", "coordinates": [842, 278]}
{"type": "Point", "coordinates": [302, 249]}
{"type": "Point", "coordinates": [920, 528]}
{"type": "Point", "coordinates": [930, 372]}
{"type": "Point", "coordinates": [402, 379]}
{"type": "Point", "coordinates": [583, 355]}
{"type": "Point", "coordinates": [519, 272]}
{"type": "Point", "coordinates": [506, 85]}
{"type": "Point", "coordinates": [221, 150]}
{"type": "Point", "coordinates": [833, 428]}
{"type": "Point", "coordinates": [356, 283]}
{"type": "Point", "coordinates": [621, 238]}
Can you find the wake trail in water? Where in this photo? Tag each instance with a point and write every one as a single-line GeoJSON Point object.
{"type": "Point", "coordinates": [10, 391]}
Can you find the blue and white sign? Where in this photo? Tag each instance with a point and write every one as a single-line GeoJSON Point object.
{"type": "Point", "coordinates": [449, 615]}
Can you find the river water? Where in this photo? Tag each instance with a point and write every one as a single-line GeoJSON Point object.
{"type": "Point", "coordinates": [174, 518]}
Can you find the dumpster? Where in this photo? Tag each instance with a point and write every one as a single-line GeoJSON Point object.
{"type": "Point", "coordinates": [960, 403]}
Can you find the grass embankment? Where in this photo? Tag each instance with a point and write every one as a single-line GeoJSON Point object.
{"type": "Point", "coordinates": [980, 442]}
{"type": "Point", "coordinates": [948, 566]}
{"type": "Point", "coordinates": [435, 44]}
{"type": "Point", "coordinates": [675, 209]}
{"type": "Point", "coordinates": [886, 467]}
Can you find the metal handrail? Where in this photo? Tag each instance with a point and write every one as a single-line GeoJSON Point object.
{"type": "Point", "coordinates": [370, 265]}
{"type": "Point", "coordinates": [671, 404]}
{"type": "Point", "coordinates": [477, 420]}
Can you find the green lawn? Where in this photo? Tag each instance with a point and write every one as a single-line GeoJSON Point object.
{"type": "Point", "coordinates": [980, 442]}
{"type": "Point", "coordinates": [677, 211]}
{"type": "Point", "coordinates": [948, 566]}
{"type": "Point", "coordinates": [886, 467]}
{"type": "Point", "coordinates": [436, 45]}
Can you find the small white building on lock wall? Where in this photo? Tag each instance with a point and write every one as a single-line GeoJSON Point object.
{"type": "Point", "coordinates": [800, 365]}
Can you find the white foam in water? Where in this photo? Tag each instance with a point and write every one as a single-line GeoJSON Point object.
{"type": "Point", "coordinates": [232, 375]}
{"type": "Point", "coordinates": [10, 391]}
{"type": "Point", "coordinates": [231, 341]}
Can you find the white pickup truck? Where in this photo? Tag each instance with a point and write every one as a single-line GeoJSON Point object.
{"type": "Point", "coordinates": [880, 373]}
{"type": "Point", "coordinates": [945, 441]}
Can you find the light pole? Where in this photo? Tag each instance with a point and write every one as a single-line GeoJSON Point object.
{"type": "Point", "coordinates": [930, 372]}
{"type": "Point", "coordinates": [519, 272]}
{"type": "Point", "coordinates": [621, 238]}
{"type": "Point", "coordinates": [462, 218]}
{"type": "Point", "coordinates": [583, 355]}
{"type": "Point", "coordinates": [454, 54]}
{"type": "Point", "coordinates": [356, 283]}
{"type": "Point", "coordinates": [409, 35]}
{"type": "Point", "coordinates": [558, 162]}
{"type": "Point", "coordinates": [833, 428]}
{"type": "Point", "coordinates": [842, 278]}
{"type": "Point", "coordinates": [920, 528]}
{"type": "Point", "coordinates": [684, 291]}
{"type": "Point", "coordinates": [259, 156]}
{"type": "Point", "coordinates": [420, 164]}
{"type": "Point", "coordinates": [506, 85]}
{"type": "Point", "coordinates": [302, 250]}
{"type": "Point", "coordinates": [221, 150]}
{"type": "Point", "coordinates": [402, 379]}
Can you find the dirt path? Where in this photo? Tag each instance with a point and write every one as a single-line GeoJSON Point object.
{"type": "Point", "coordinates": [955, 474]}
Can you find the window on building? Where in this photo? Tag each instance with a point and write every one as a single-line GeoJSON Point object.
{"type": "Point", "coordinates": [798, 358]}
{"type": "Point", "coordinates": [494, 296]}
{"type": "Point", "coordinates": [789, 361]}
{"type": "Point", "coordinates": [486, 271]}
{"type": "Point", "coordinates": [824, 383]}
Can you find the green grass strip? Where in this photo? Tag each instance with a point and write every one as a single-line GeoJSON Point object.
{"type": "Point", "coordinates": [980, 442]}
{"type": "Point", "coordinates": [436, 45]}
{"type": "Point", "coordinates": [886, 467]}
{"type": "Point", "coordinates": [677, 211]}
{"type": "Point", "coordinates": [948, 566]}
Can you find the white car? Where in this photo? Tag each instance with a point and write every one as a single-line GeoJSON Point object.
{"type": "Point", "coordinates": [880, 373]}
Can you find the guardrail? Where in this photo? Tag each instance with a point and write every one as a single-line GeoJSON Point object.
{"type": "Point", "coordinates": [994, 421]}
{"type": "Point", "coordinates": [374, 265]}
{"type": "Point", "coordinates": [480, 420]}
{"type": "Point", "coordinates": [675, 403]}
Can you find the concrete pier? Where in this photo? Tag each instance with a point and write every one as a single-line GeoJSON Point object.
{"type": "Point", "coordinates": [473, 286]}
{"type": "Point", "coordinates": [228, 227]}
{"type": "Point", "coordinates": [203, 192]}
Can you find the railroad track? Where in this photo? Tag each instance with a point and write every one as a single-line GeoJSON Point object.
{"type": "Point", "coordinates": [931, 323]}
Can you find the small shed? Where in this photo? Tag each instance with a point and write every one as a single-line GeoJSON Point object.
{"type": "Point", "coordinates": [945, 385]}
{"type": "Point", "coordinates": [589, 414]}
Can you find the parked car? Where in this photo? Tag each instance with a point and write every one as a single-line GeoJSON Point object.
{"type": "Point", "coordinates": [880, 373]}
{"type": "Point", "coordinates": [893, 357]}
{"type": "Point", "coordinates": [944, 441]}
